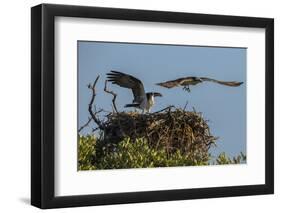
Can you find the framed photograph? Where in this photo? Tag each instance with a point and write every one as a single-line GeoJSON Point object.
{"type": "Point", "coordinates": [139, 106]}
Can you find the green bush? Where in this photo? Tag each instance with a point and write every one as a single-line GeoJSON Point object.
{"type": "Point", "coordinates": [94, 154]}
{"type": "Point", "coordinates": [139, 154]}
{"type": "Point", "coordinates": [224, 159]}
{"type": "Point", "coordinates": [86, 152]}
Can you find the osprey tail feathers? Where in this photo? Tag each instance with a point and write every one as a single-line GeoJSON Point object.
{"type": "Point", "coordinates": [132, 105]}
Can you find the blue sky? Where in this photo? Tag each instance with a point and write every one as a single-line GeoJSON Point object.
{"type": "Point", "coordinates": [224, 107]}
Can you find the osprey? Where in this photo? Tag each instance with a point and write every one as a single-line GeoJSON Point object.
{"type": "Point", "coordinates": [142, 100]}
{"type": "Point", "coordinates": [187, 81]}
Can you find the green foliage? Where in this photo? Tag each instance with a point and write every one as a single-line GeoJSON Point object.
{"type": "Point", "coordinates": [139, 154]}
{"type": "Point", "coordinates": [224, 159]}
{"type": "Point", "coordinates": [86, 152]}
{"type": "Point", "coordinates": [96, 154]}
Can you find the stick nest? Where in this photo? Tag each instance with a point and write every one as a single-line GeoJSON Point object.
{"type": "Point", "coordinates": [172, 129]}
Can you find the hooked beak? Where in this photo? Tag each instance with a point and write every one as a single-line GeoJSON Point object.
{"type": "Point", "coordinates": [159, 84]}
{"type": "Point", "coordinates": [157, 94]}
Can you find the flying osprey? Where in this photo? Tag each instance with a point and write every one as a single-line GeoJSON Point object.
{"type": "Point", "coordinates": [142, 100]}
{"type": "Point", "coordinates": [187, 81]}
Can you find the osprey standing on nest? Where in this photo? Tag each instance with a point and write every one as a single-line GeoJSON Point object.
{"type": "Point", "coordinates": [142, 100]}
{"type": "Point", "coordinates": [187, 81]}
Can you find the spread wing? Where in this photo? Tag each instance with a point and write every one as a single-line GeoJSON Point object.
{"type": "Point", "coordinates": [226, 83]}
{"type": "Point", "coordinates": [128, 81]}
{"type": "Point", "coordinates": [195, 80]}
{"type": "Point", "coordinates": [173, 83]}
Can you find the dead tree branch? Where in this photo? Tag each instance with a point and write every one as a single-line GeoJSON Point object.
{"type": "Point", "coordinates": [86, 124]}
{"type": "Point", "coordinates": [89, 121]}
{"type": "Point", "coordinates": [90, 108]}
{"type": "Point", "coordinates": [113, 94]}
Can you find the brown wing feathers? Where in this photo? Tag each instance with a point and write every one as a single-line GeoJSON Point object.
{"type": "Point", "coordinates": [194, 80]}
{"type": "Point", "coordinates": [227, 83]}
{"type": "Point", "coordinates": [127, 81]}
{"type": "Point", "coordinates": [171, 84]}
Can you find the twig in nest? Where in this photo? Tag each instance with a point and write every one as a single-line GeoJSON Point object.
{"type": "Point", "coordinates": [169, 107]}
{"type": "Point", "coordinates": [113, 94]}
{"type": "Point", "coordinates": [185, 105]}
{"type": "Point", "coordinates": [194, 110]}
{"type": "Point", "coordinates": [90, 109]}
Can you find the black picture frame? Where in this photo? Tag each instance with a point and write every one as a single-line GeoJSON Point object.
{"type": "Point", "coordinates": [43, 105]}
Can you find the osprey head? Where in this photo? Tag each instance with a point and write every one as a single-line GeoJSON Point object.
{"type": "Point", "coordinates": [198, 79]}
{"type": "Point", "coordinates": [154, 94]}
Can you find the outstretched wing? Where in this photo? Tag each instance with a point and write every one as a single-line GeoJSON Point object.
{"type": "Point", "coordinates": [128, 81]}
{"type": "Point", "coordinates": [173, 83]}
{"type": "Point", "coordinates": [226, 83]}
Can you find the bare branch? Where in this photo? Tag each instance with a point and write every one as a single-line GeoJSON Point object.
{"type": "Point", "coordinates": [89, 120]}
{"type": "Point", "coordinates": [95, 129]}
{"type": "Point", "coordinates": [113, 94]}
{"type": "Point", "coordinates": [90, 109]}
{"type": "Point", "coordinates": [86, 124]}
